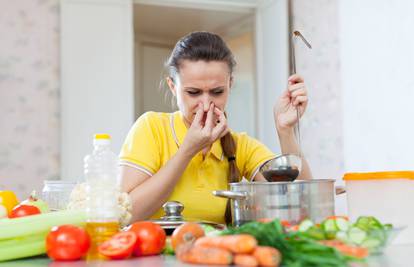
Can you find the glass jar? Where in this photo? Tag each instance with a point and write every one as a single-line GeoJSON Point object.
{"type": "Point", "coordinates": [57, 193]}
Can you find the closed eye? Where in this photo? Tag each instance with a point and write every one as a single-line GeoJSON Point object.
{"type": "Point", "coordinates": [193, 92]}
{"type": "Point", "coordinates": [218, 92]}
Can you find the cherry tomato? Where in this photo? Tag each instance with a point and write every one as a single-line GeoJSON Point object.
{"type": "Point", "coordinates": [24, 210]}
{"type": "Point", "coordinates": [67, 242]}
{"type": "Point", "coordinates": [285, 223]}
{"type": "Point", "coordinates": [120, 246]}
{"type": "Point", "coordinates": [150, 238]}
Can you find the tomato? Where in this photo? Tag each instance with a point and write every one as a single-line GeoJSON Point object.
{"type": "Point", "coordinates": [293, 228]}
{"type": "Point", "coordinates": [150, 238]}
{"type": "Point", "coordinates": [120, 246]}
{"type": "Point", "coordinates": [67, 242]}
{"type": "Point", "coordinates": [24, 210]}
{"type": "Point", "coordinates": [187, 232]}
{"type": "Point", "coordinates": [285, 223]}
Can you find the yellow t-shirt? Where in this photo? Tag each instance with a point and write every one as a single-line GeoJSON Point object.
{"type": "Point", "coordinates": [156, 137]}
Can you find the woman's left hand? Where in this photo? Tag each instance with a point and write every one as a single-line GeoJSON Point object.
{"type": "Point", "coordinates": [295, 96]}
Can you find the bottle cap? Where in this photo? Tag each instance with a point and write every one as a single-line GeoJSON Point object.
{"type": "Point", "coordinates": [102, 139]}
{"type": "Point", "coordinates": [102, 136]}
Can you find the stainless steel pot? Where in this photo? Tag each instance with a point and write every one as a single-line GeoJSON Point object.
{"type": "Point", "coordinates": [289, 201]}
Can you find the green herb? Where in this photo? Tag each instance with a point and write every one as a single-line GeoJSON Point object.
{"type": "Point", "coordinates": [298, 250]}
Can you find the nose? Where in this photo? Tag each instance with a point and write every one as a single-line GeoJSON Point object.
{"type": "Point", "coordinates": [206, 101]}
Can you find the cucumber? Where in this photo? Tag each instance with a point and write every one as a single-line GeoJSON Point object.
{"type": "Point", "coordinates": [305, 225]}
{"type": "Point", "coordinates": [356, 235]}
{"type": "Point", "coordinates": [329, 225]}
{"type": "Point", "coordinates": [343, 236]}
{"type": "Point", "coordinates": [30, 225]}
{"type": "Point", "coordinates": [362, 223]}
{"type": "Point", "coordinates": [315, 233]}
{"type": "Point", "coordinates": [342, 224]}
{"type": "Point", "coordinates": [371, 243]}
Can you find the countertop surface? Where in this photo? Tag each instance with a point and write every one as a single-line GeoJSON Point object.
{"type": "Point", "coordinates": [394, 256]}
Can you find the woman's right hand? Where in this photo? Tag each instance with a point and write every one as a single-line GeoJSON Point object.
{"type": "Point", "coordinates": [201, 134]}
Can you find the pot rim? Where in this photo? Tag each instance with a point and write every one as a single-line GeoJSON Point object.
{"type": "Point", "coordinates": [286, 183]}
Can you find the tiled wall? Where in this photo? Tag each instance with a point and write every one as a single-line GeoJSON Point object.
{"type": "Point", "coordinates": [29, 94]}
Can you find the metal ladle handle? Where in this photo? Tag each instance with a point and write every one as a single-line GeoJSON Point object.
{"type": "Point", "coordinates": [296, 34]}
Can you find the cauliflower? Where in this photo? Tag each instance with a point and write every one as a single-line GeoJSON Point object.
{"type": "Point", "coordinates": [78, 201]}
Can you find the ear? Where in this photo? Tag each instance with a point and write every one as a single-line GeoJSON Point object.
{"type": "Point", "coordinates": [171, 85]}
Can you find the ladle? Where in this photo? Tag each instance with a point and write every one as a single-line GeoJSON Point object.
{"type": "Point", "coordinates": [295, 35]}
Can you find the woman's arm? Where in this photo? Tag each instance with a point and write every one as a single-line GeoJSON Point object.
{"type": "Point", "coordinates": [149, 193]}
{"type": "Point", "coordinates": [289, 145]}
{"type": "Point", "coordinates": [285, 114]}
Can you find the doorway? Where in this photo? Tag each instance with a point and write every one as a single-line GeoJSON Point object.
{"type": "Point", "coordinates": [157, 29]}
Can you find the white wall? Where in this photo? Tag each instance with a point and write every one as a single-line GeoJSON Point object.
{"type": "Point", "coordinates": [272, 65]}
{"type": "Point", "coordinates": [97, 77]}
{"type": "Point", "coordinates": [241, 108]}
{"type": "Point", "coordinates": [154, 94]}
{"type": "Point", "coordinates": [377, 59]}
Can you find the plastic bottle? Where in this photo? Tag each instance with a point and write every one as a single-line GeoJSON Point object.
{"type": "Point", "coordinates": [102, 189]}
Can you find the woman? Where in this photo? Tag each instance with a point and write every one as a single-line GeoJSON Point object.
{"type": "Point", "coordinates": [185, 155]}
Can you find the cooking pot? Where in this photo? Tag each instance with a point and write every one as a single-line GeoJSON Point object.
{"type": "Point", "coordinates": [288, 201]}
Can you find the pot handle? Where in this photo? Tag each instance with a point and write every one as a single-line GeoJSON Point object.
{"type": "Point", "coordinates": [339, 190]}
{"type": "Point", "coordinates": [230, 194]}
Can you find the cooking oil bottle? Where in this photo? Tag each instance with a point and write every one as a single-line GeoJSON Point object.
{"type": "Point", "coordinates": [102, 189]}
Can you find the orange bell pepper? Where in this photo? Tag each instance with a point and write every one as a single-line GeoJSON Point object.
{"type": "Point", "coordinates": [8, 200]}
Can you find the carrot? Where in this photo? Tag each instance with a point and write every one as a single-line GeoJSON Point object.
{"type": "Point", "coordinates": [348, 250]}
{"type": "Point", "coordinates": [190, 253]}
{"type": "Point", "coordinates": [245, 260]}
{"type": "Point", "coordinates": [242, 243]}
{"type": "Point", "coordinates": [337, 217]}
{"type": "Point", "coordinates": [267, 256]}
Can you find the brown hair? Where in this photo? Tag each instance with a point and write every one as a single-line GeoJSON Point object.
{"type": "Point", "coordinates": [208, 46]}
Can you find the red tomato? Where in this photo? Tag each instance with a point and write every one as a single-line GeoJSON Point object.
{"type": "Point", "coordinates": [285, 223]}
{"type": "Point", "coordinates": [67, 242]}
{"type": "Point", "coordinates": [150, 238]}
{"type": "Point", "coordinates": [120, 246]}
{"type": "Point", "coordinates": [24, 210]}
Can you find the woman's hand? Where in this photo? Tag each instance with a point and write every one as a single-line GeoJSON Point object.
{"type": "Point", "coordinates": [295, 96]}
{"type": "Point", "coordinates": [201, 134]}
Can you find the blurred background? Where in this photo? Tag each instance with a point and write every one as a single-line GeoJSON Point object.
{"type": "Point", "coordinates": [71, 68]}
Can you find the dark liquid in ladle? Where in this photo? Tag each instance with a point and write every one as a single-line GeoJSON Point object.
{"type": "Point", "coordinates": [286, 174]}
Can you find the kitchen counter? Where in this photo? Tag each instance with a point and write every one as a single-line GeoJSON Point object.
{"type": "Point", "coordinates": [394, 256]}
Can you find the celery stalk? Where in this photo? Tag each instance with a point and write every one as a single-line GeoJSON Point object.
{"type": "Point", "coordinates": [23, 250]}
{"type": "Point", "coordinates": [30, 225]}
